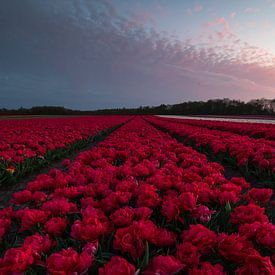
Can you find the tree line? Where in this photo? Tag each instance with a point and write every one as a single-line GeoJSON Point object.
{"type": "Point", "coordinates": [210, 107]}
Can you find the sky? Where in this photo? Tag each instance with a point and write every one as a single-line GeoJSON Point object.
{"type": "Point", "coordinates": [90, 54]}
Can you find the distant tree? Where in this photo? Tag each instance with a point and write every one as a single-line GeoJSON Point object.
{"type": "Point", "coordinates": [211, 107]}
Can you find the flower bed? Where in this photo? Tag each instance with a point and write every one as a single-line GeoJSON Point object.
{"type": "Point", "coordinates": [27, 144]}
{"type": "Point", "coordinates": [251, 156]}
{"type": "Point", "coordinates": [254, 130]}
{"type": "Point", "coordinates": [138, 203]}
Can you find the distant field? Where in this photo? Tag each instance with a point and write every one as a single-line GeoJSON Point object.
{"type": "Point", "coordinates": [255, 119]}
{"type": "Point", "coordinates": [32, 116]}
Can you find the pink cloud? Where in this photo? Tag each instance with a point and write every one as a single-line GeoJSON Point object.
{"type": "Point", "coordinates": [230, 68]}
{"type": "Point", "coordinates": [189, 12]}
{"type": "Point", "coordinates": [198, 8]}
{"type": "Point", "coordinates": [251, 10]}
{"type": "Point", "coordinates": [226, 28]}
{"type": "Point", "coordinates": [147, 66]}
{"type": "Point", "coordinates": [140, 18]}
{"type": "Point", "coordinates": [233, 14]}
{"type": "Point", "coordinates": [250, 24]}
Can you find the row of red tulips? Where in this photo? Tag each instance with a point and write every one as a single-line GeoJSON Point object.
{"type": "Point", "coordinates": [138, 203]}
{"type": "Point", "coordinates": [252, 156]}
{"type": "Point", "coordinates": [254, 130]}
{"type": "Point", "coordinates": [28, 144]}
{"type": "Point", "coordinates": [27, 138]}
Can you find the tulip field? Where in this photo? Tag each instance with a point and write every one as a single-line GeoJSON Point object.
{"type": "Point", "coordinates": [230, 141]}
{"type": "Point", "coordinates": [150, 198]}
{"type": "Point", "coordinates": [27, 144]}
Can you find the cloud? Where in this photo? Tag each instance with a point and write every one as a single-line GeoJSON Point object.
{"type": "Point", "coordinates": [233, 14]}
{"type": "Point", "coordinates": [189, 12]}
{"type": "Point", "coordinates": [251, 10]}
{"type": "Point", "coordinates": [198, 8]}
{"type": "Point", "coordinates": [87, 54]}
{"type": "Point", "coordinates": [225, 25]}
{"type": "Point", "coordinates": [250, 24]}
{"type": "Point", "coordinates": [195, 9]}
